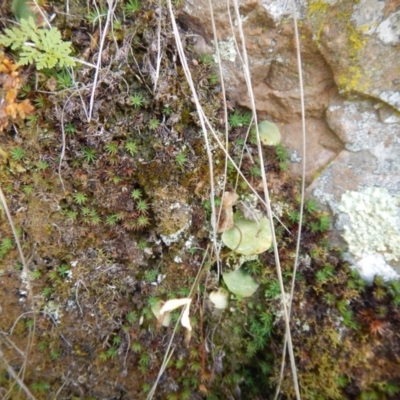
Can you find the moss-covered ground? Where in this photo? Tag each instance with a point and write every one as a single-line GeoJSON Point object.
{"type": "Point", "coordinates": [118, 218]}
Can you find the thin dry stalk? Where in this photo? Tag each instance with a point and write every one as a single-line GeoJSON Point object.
{"type": "Point", "coordinates": [110, 12]}
{"type": "Point", "coordinates": [303, 160]}
{"type": "Point", "coordinates": [247, 76]}
{"type": "Point", "coordinates": [159, 53]}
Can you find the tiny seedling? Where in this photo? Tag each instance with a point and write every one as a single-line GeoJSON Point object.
{"type": "Point", "coordinates": [142, 221]}
{"type": "Point", "coordinates": [42, 165]}
{"type": "Point", "coordinates": [27, 189]}
{"type": "Point", "coordinates": [5, 246]}
{"type": "Point", "coordinates": [131, 6]}
{"type": "Point", "coordinates": [111, 148]}
{"type": "Point", "coordinates": [136, 194]}
{"type": "Point", "coordinates": [89, 155]}
{"type": "Point", "coordinates": [238, 119]}
{"type": "Point", "coordinates": [70, 128]}
{"type": "Point", "coordinates": [64, 80]}
{"type": "Point", "coordinates": [154, 124]}
{"type": "Point", "coordinates": [97, 14]}
{"type": "Point", "coordinates": [80, 198]}
{"type": "Point", "coordinates": [180, 159]}
{"type": "Point", "coordinates": [18, 153]}
{"type": "Point", "coordinates": [131, 148]}
{"type": "Point", "coordinates": [71, 215]}
{"type": "Point", "coordinates": [142, 206]}
{"type": "Point", "coordinates": [136, 100]}
{"type": "Point", "coordinates": [35, 274]}
{"type": "Point", "coordinates": [112, 219]}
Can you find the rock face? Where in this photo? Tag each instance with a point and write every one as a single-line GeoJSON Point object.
{"type": "Point", "coordinates": [351, 72]}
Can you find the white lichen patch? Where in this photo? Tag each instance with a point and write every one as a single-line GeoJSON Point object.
{"type": "Point", "coordinates": [375, 264]}
{"type": "Point", "coordinates": [372, 231]}
{"type": "Point", "coordinates": [391, 97]}
{"type": "Point", "coordinates": [368, 14]}
{"type": "Point", "coordinates": [279, 9]}
{"type": "Point", "coordinates": [54, 309]}
{"type": "Point", "coordinates": [227, 50]}
{"type": "Point", "coordinates": [176, 236]}
{"type": "Point", "coordinates": [389, 30]}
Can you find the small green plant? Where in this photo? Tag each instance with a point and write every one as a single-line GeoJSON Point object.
{"type": "Point", "coordinates": [71, 215]}
{"type": "Point", "coordinates": [63, 270]}
{"type": "Point", "coordinates": [142, 221]}
{"type": "Point", "coordinates": [18, 153]}
{"type": "Point", "coordinates": [142, 206]}
{"type": "Point", "coordinates": [29, 323]}
{"type": "Point", "coordinates": [154, 124]}
{"type": "Point", "coordinates": [112, 352]}
{"type": "Point", "coordinates": [112, 219]}
{"type": "Point", "coordinates": [273, 289]}
{"type": "Point", "coordinates": [5, 246]}
{"type": "Point", "coordinates": [89, 155]}
{"type": "Point", "coordinates": [111, 148]}
{"type": "Point", "coordinates": [35, 274]}
{"type": "Point", "coordinates": [116, 340]}
{"type": "Point", "coordinates": [90, 216]}
{"type": "Point", "coordinates": [144, 362]}
{"type": "Point", "coordinates": [42, 165]}
{"type": "Point", "coordinates": [213, 79]}
{"type": "Point", "coordinates": [44, 47]}
{"type": "Point", "coordinates": [180, 159]}
{"type": "Point", "coordinates": [131, 6]}
{"type": "Point", "coordinates": [27, 189]}
{"type": "Point", "coordinates": [40, 386]}
{"type": "Point", "coordinates": [55, 354]}
{"type": "Point", "coordinates": [96, 15]}
{"type": "Point", "coordinates": [131, 148]}
{"type": "Point", "coordinates": [136, 194]}
{"type": "Point", "coordinates": [207, 59]}
{"type": "Point", "coordinates": [131, 317]}
{"type": "Point", "coordinates": [136, 100]}
{"type": "Point", "coordinates": [146, 387]}
{"type": "Point", "coordinates": [142, 244]}
{"type": "Point", "coordinates": [40, 101]}
{"type": "Point", "coordinates": [64, 80]}
{"type": "Point", "coordinates": [47, 292]}
{"type": "Point", "coordinates": [324, 274]}
{"type": "Point", "coordinates": [70, 128]}
{"type": "Point", "coordinates": [238, 119]}
{"type": "Point", "coordinates": [311, 206]}
{"type": "Point", "coordinates": [167, 111]}
{"type": "Point", "coordinates": [42, 345]}
{"type": "Point", "coordinates": [80, 198]}
{"type": "Point", "coordinates": [255, 171]}
{"type": "Point", "coordinates": [151, 276]}
{"type": "Point", "coordinates": [136, 347]}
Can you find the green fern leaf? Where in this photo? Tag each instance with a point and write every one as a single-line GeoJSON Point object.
{"type": "Point", "coordinates": [47, 50]}
{"type": "Point", "coordinates": [28, 56]}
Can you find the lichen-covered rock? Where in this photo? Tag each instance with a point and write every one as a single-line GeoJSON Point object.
{"type": "Point", "coordinates": [371, 225]}
{"type": "Point", "coordinates": [172, 212]}
{"type": "Point", "coordinates": [350, 60]}
{"type": "Point", "coordinates": [359, 42]}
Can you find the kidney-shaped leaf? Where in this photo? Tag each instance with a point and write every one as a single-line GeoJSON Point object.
{"type": "Point", "coordinates": [248, 237]}
{"type": "Point", "coordinates": [240, 283]}
{"type": "Point", "coordinates": [269, 133]}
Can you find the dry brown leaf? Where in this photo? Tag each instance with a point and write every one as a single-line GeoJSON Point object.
{"type": "Point", "coordinates": [225, 213]}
